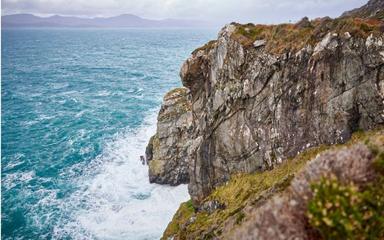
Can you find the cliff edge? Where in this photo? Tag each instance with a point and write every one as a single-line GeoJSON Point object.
{"type": "Point", "coordinates": [259, 96]}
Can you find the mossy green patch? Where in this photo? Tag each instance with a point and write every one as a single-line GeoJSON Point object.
{"type": "Point", "coordinates": [176, 92]}
{"type": "Point", "coordinates": [156, 166]}
{"type": "Point", "coordinates": [176, 103]}
{"type": "Point", "coordinates": [155, 141]}
{"type": "Point", "coordinates": [182, 216]}
{"type": "Point", "coordinates": [341, 211]}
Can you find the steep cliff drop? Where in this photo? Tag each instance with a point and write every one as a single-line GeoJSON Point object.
{"type": "Point", "coordinates": [261, 94]}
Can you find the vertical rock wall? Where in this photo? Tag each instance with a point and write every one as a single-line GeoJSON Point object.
{"type": "Point", "coordinates": [252, 109]}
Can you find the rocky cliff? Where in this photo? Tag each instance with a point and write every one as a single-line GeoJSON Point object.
{"type": "Point", "coordinates": [166, 152]}
{"type": "Point", "coordinates": [262, 94]}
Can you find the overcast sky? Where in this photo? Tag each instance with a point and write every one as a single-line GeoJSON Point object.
{"type": "Point", "coordinates": [218, 11]}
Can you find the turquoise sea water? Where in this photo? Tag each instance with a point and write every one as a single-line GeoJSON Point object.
{"type": "Point", "coordinates": [78, 106]}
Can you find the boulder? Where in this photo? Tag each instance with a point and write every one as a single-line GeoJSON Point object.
{"type": "Point", "coordinates": [259, 43]}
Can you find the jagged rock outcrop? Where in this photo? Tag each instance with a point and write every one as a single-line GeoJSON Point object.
{"type": "Point", "coordinates": [166, 152]}
{"type": "Point", "coordinates": [252, 107]}
{"type": "Point", "coordinates": [374, 8]}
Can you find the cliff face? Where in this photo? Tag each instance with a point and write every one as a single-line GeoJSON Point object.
{"type": "Point", "coordinates": [252, 108]}
{"type": "Point", "coordinates": [166, 152]}
{"type": "Point", "coordinates": [262, 101]}
{"type": "Point", "coordinates": [260, 94]}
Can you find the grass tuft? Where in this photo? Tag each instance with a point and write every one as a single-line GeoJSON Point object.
{"type": "Point", "coordinates": [293, 37]}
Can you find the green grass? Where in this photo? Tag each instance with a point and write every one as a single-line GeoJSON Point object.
{"type": "Point", "coordinates": [341, 211]}
{"type": "Point", "coordinates": [182, 216]}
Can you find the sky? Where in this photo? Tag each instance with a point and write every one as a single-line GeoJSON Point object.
{"type": "Point", "coordinates": [215, 11]}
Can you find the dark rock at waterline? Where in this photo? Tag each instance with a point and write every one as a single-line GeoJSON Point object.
{"type": "Point", "coordinates": [143, 160]}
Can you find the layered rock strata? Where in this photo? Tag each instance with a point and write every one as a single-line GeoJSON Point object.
{"type": "Point", "coordinates": [252, 109]}
{"type": "Point", "coordinates": [262, 94]}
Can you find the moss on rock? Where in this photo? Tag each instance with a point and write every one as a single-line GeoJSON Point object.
{"type": "Point", "coordinates": [206, 47]}
{"type": "Point", "coordinates": [345, 211]}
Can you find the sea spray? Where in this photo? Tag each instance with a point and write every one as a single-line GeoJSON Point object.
{"type": "Point", "coordinates": [119, 202]}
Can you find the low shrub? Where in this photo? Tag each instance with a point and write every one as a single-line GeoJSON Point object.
{"type": "Point", "coordinates": [342, 211]}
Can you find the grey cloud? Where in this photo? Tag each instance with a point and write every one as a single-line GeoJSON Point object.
{"type": "Point", "coordinates": [220, 11]}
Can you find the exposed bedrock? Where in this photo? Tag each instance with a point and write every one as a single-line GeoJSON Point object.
{"type": "Point", "coordinates": [252, 109]}
{"type": "Point", "coordinates": [166, 152]}
{"type": "Point", "coordinates": [260, 94]}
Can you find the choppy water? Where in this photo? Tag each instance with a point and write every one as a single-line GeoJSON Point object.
{"type": "Point", "coordinates": [78, 107]}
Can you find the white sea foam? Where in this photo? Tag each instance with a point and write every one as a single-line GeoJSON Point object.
{"type": "Point", "coordinates": [11, 180]}
{"type": "Point", "coordinates": [16, 160]}
{"type": "Point", "coordinates": [80, 114]}
{"type": "Point", "coordinates": [30, 123]}
{"type": "Point", "coordinates": [103, 93]}
{"type": "Point", "coordinates": [118, 202]}
{"type": "Point", "coordinates": [45, 117]}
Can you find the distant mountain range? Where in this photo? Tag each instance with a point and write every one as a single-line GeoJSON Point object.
{"type": "Point", "coordinates": [121, 21]}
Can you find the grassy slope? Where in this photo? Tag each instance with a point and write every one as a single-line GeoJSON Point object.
{"type": "Point", "coordinates": [241, 192]}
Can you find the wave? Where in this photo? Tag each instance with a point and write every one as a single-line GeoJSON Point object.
{"type": "Point", "coordinates": [118, 202]}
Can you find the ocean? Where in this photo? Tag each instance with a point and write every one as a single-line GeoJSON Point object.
{"type": "Point", "coordinates": [78, 107]}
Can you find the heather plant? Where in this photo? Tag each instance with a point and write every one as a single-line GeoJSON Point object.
{"type": "Point", "coordinates": [343, 211]}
